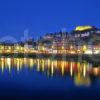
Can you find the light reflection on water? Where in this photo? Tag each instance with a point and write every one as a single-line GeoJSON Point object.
{"type": "Point", "coordinates": [80, 72]}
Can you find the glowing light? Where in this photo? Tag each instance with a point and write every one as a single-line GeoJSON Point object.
{"type": "Point", "coordinates": [88, 52]}
{"type": "Point", "coordinates": [84, 48]}
{"type": "Point", "coordinates": [82, 28]}
{"type": "Point", "coordinates": [62, 68]}
{"type": "Point", "coordinates": [42, 65]}
{"type": "Point", "coordinates": [72, 52]}
{"type": "Point", "coordinates": [52, 68]}
{"type": "Point", "coordinates": [71, 47]}
{"type": "Point", "coordinates": [31, 63]}
{"type": "Point", "coordinates": [84, 70]}
{"type": "Point", "coordinates": [2, 64]}
{"type": "Point", "coordinates": [38, 65]}
{"type": "Point", "coordinates": [9, 63]}
{"type": "Point", "coordinates": [18, 66]}
{"type": "Point", "coordinates": [96, 51]}
{"type": "Point", "coordinates": [96, 71]}
{"type": "Point", "coordinates": [71, 69]}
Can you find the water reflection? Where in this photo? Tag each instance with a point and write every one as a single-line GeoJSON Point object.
{"type": "Point", "coordinates": [82, 73]}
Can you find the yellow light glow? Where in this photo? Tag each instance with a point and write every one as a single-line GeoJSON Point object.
{"type": "Point", "coordinates": [9, 63]}
{"type": "Point", "coordinates": [84, 69]}
{"type": "Point", "coordinates": [18, 66]}
{"type": "Point", "coordinates": [31, 63]}
{"type": "Point", "coordinates": [84, 48]}
{"type": "Point", "coordinates": [2, 64]}
{"type": "Point", "coordinates": [71, 69]}
{"type": "Point", "coordinates": [82, 28]}
{"type": "Point", "coordinates": [52, 68]}
{"type": "Point", "coordinates": [88, 52]}
{"type": "Point", "coordinates": [42, 65]}
{"type": "Point", "coordinates": [62, 68]}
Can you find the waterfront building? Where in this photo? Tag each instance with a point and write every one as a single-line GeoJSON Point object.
{"type": "Point", "coordinates": [6, 48]}
{"type": "Point", "coordinates": [87, 39]}
{"type": "Point", "coordinates": [82, 40]}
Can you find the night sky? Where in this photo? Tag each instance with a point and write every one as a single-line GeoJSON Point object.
{"type": "Point", "coordinates": [41, 16]}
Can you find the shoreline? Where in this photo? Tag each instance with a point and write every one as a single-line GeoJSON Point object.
{"type": "Point", "coordinates": [95, 57]}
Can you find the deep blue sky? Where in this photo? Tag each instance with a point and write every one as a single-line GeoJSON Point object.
{"type": "Point", "coordinates": [41, 16]}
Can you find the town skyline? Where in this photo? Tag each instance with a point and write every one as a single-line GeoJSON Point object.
{"type": "Point", "coordinates": [83, 40]}
{"type": "Point", "coordinates": [26, 34]}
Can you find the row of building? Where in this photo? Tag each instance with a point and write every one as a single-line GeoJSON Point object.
{"type": "Point", "coordinates": [82, 40]}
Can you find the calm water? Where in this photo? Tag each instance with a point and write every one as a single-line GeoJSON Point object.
{"type": "Point", "coordinates": [27, 78]}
